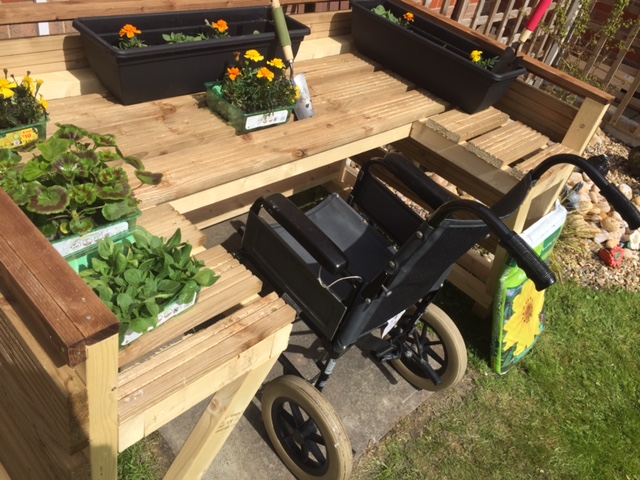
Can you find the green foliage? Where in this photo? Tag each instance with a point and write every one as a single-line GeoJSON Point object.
{"type": "Point", "coordinates": [20, 101]}
{"type": "Point", "coordinates": [254, 84]}
{"type": "Point", "coordinates": [568, 411]}
{"type": "Point", "coordinates": [172, 37]}
{"type": "Point", "coordinates": [129, 35]}
{"type": "Point", "coordinates": [70, 186]}
{"type": "Point", "coordinates": [136, 280]}
{"type": "Point", "coordinates": [583, 46]}
{"type": "Point", "coordinates": [405, 21]}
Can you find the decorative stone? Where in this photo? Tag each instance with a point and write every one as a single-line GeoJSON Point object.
{"type": "Point", "coordinates": [594, 197]}
{"type": "Point", "coordinates": [626, 190]}
{"type": "Point", "coordinates": [602, 237]}
{"type": "Point", "coordinates": [604, 207]}
{"type": "Point", "coordinates": [635, 200]}
{"type": "Point", "coordinates": [611, 243]}
{"type": "Point", "coordinates": [594, 211]}
{"type": "Point", "coordinates": [630, 254]}
{"type": "Point", "coordinates": [610, 224]}
{"type": "Point", "coordinates": [574, 178]}
{"type": "Point", "coordinates": [585, 206]}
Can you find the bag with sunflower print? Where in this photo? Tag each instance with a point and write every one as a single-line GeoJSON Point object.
{"type": "Point", "coordinates": [518, 312]}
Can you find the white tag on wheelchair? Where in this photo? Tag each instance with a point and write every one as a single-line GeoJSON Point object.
{"type": "Point", "coordinates": [392, 323]}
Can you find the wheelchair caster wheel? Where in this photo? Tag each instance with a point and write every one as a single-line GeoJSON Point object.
{"type": "Point", "coordinates": [305, 430]}
{"type": "Point", "coordinates": [438, 341]}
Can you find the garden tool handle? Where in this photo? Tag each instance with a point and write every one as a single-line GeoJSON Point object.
{"type": "Point", "coordinates": [534, 20]}
{"type": "Point", "coordinates": [281, 30]}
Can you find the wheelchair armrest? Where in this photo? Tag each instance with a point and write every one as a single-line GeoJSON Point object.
{"type": "Point", "coordinates": [304, 231]}
{"type": "Point", "coordinates": [416, 180]}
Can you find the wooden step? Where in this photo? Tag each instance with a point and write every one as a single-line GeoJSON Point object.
{"type": "Point", "coordinates": [507, 144]}
{"type": "Point", "coordinates": [458, 126]}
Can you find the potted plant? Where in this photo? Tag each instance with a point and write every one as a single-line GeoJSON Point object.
{"type": "Point", "coordinates": [255, 93]}
{"type": "Point", "coordinates": [160, 69]}
{"type": "Point", "coordinates": [74, 184]}
{"type": "Point", "coordinates": [435, 58]}
{"type": "Point", "coordinates": [143, 279]}
{"type": "Point", "coordinates": [23, 111]}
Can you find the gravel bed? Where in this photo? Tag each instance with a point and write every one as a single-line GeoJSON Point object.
{"type": "Point", "coordinates": [577, 259]}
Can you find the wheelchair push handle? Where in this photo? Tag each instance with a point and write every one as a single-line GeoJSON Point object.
{"type": "Point", "coordinates": [536, 269]}
{"type": "Point", "coordinates": [615, 197]}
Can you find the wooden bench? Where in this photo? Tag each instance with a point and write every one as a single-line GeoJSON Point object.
{"type": "Point", "coordinates": [210, 175]}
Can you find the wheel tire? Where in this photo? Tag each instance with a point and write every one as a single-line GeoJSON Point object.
{"type": "Point", "coordinates": [305, 430]}
{"type": "Point", "coordinates": [449, 346]}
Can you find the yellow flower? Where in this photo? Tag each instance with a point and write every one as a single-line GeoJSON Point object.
{"type": "Point", "coordinates": [253, 55]}
{"type": "Point", "coordinates": [6, 88]}
{"type": "Point", "coordinates": [27, 82]}
{"type": "Point", "coordinates": [476, 56]}
{"type": "Point", "coordinates": [277, 63]}
{"type": "Point", "coordinates": [129, 31]}
{"type": "Point", "coordinates": [221, 26]}
{"type": "Point", "coordinates": [524, 325]}
{"type": "Point", "coordinates": [234, 72]}
{"type": "Point", "coordinates": [408, 17]}
{"type": "Point", "coordinates": [264, 72]}
{"type": "Point", "coordinates": [43, 102]}
{"type": "Point", "coordinates": [297, 93]}
{"type": "Point", "coordinates": [39, 82]}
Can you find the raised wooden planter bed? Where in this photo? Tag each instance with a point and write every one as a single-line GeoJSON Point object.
{"type": "Point", "coordinates": [99, 403]}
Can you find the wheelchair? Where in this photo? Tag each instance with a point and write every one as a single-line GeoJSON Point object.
{"type": "Point", "coordinates": [353, 268]}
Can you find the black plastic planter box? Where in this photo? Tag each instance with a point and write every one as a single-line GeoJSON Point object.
{"type": "Point", "coordinates": [433, 57]}
{"type": "Point", "coordinates": [164, 70]}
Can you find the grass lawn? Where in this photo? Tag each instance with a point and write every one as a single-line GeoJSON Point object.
{"type": "Point", "coordinates": [570, 410]}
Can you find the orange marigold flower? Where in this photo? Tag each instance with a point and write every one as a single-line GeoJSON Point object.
{"type": "Point", "coordinates": [264, 72]}
{"type": "Point", "coordinates": [129, 31]}
{"type": "Point", "coordinates": [408, 17]}
{"type": "Point", "coordinates": [234, 72]}
{"type": "Point", "coordinates": [221, 26]}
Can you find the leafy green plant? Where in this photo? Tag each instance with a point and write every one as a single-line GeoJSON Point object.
{"type": "Point", "coordinates": [183, 38]}
{"type": "Point", "coordinates": [137, 279]}
{"type": "Point", "coordinates": [73, 183]}
{"type": "Point", "coordinates": [405, 21]}
{"type": "Point", "coordinates": [129, 35]}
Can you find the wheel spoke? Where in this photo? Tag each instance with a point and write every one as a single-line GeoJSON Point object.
{"type": "Point", "coordinates": [315, 451]}
{"type": "Point", "coordinates": [309, 428]}
{"type": "Point", "coordinates": [297, 415]}
{"type": "Point", "coordinates": [287, 420]}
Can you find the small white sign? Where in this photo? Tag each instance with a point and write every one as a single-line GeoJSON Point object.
{"type": "Point", "coordinates": [392, 323]}
{"type": "Point", "coordinates": [169, 312]}
{"type": "Point", "coordinates": [264, 120]}
{"type": "Point", "coordinates": [67, 246]}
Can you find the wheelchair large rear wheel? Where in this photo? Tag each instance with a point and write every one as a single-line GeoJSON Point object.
{"type": "Point", "coordinates": [305, 430]}
{"type": "Point", "coordinates": [437, 340]}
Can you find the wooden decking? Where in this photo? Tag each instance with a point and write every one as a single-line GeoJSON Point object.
{"type": "Point", "coordinates": [359, 106]}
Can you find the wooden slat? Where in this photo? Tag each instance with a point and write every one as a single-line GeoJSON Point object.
{"type": "Point", "coordinates": [507, 144]}
{"type": "Point", "coordinates": [164, 220]}
{"type": "Point", "coordinates": [64, 309]}
{"type": "Point", "coordinates": [58, 391]}
{"type": "Point", "coordinates": [235, 286]}
{"type": "Point", "coordinates": [170, 370]}
{"type": "Point", "coordinates": [458, 126]}
{"type": "Point", "coordinates": [522, 168]}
